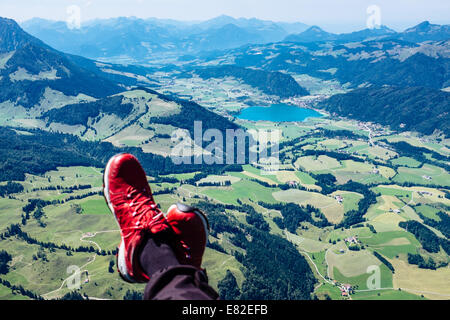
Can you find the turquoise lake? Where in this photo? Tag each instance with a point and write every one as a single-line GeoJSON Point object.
{"type": "Point", "coordinates": [277, 113]}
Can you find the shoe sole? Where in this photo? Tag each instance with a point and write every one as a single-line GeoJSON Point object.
{"type": "Point", "coordinates": [201, 215]}
{"type": "Point", "coordinates": [121, 264]}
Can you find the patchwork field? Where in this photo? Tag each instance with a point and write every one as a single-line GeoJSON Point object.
{"type": "Point", "coordinates": [319, 164]}
{"type": "Point", "coordinates": [405, 189]}
{"type": "Point", "coordinates": [427, 174]}
{"type": "Point", "coordinates": [333, 210]}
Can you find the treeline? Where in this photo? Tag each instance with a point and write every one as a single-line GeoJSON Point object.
{"type": "Point", "coordinates": [443, 225]}
{"type": "Point", "coordinates": [321, 133]}
{"type": "Point", "coordinates": [418, 153]}
{"type": "Point", "coordinates": [294, 214]}
{"type": "Point", "coordinates": [408, 150]}
{"type": "Point", "coordinates": [272, 83]}
{"type": "Point", "coordinates": [418, 260]}
{"type": "Point", "coordinates": [191, 112]}
{"type": "Point", "coordinates": [328, 184]}
{"type": "Point", "coordinates": [10, 188]}
{"type": "Point", "coordinates": [80, 196]}
{"type": "Point", "coordinates": [427, 238]}
{"type": "Point", "coordinates": [228, 288]}
{"type": "Point", "coordinates": [263, 183]}
{"type": "Point", "coordinates": [43, 151]}
{"type": "Point", "coordinates": [37, 205]}
{"type": "Point", "coordinates": [199, 176]}
{"type": "Point", "coordinates": [64, 189]}
{"type": "Point", "coordinates": [254, 218]}
{"type": "Point", "coordinates": [345, 134]}
{"type": "Point", "coordinates": [340, 156]}
{"type": "Point", "coordinates": [133, 295]}
{"type": "Point", "coordinates": [5, 258]}
{"type": "Point", "coordinates": [287, 186]}
{"type": "Point", "coordinates": [357, 216]}
{"type": "Point", "coordinates": [164, 191]}
{"type": "Point", "coordinates": [214, 184]}
{"type": "Point", "coordinates": [160, 179]}
{"type": "Point", "coordinates": [384, 261]}
{"type": "Point", "coordinates": [215, 246]}
{"type": "Point", "coordinates": [79, 113]}
{"type": "Point", "coordinates": [73, 295]}
{"type": "Point", "coordinates": [21, 290]}
{"type": "Point", "coordinates": [15, 230]}
{"type": "Point", "coordinates": [287, 276]}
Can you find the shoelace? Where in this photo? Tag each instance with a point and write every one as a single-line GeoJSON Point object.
{"type": "Point", "coordinates": [141, 204]}
{"type": "Point", "coordinates": [138, 204]}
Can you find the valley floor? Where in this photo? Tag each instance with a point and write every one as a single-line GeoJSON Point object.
{"type": "Point", "coordinates": [79, 217]}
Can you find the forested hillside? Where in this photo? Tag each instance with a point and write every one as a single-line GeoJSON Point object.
{"type": "Point", "coordinates": [403, 109]}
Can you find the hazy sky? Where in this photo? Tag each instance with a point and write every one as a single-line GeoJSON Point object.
{"type": "Point", "coordinates": [333, 15]}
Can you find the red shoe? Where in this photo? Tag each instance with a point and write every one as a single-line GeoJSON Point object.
{"type": "Point", "coordinates": [130, 199]}
{"type": "Point", "coordinates": [191, 228]}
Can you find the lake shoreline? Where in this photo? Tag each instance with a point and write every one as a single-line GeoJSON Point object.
{"type": "Point", "coordinates": [279, 112]}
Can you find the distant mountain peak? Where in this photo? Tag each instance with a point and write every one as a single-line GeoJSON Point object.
{"type": "Point", "coordinates": [311, 34]}
{"type": "Point", "coordinates": [314, 29]}
{"type": "Point", "coordinates": [33, 66]}
{"type": "Point", "coordinates": [12, 36]}
{"type": "Point", "coordinates": [224, 17]}
{"type": "Point", "coordinates": [426, 31]}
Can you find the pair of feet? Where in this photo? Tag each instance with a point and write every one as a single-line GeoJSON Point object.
{"type": "Point", "coordinates": [130, 199]}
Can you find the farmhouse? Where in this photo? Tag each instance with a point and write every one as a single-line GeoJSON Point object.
{"type": "Point", "coordinates": [346, 290]}
{"type": "Point", "coordinates": [292, 184]}
{"type": "Point", "coordinates": [351, 240]}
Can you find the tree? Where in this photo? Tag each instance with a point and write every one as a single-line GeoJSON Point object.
{"type": "Point", "coordinates": [111, 266]}
{"type": "Point", "coordinates": [228, 287]}
{"type": "Point", "coordinates": [5, 258]}
{"type": "Point", "coordinates": [132, 295]}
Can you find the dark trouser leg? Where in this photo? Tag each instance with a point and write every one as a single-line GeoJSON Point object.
{"type": "Point", "coordinates": [169, 280]}
{"type": "Point", "coordinates": [180, 282]}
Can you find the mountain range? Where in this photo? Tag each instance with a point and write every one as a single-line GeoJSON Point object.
{"type": "Point", "coordinates": [424, 31]}
{"type": "Point", "coordinates": [28, 67]}
{"type": "Point", "coordinates": [379, 62]}
{"type": "Point", "coordinates": [141, 38]}
{"type": "Point", "coordinates": [86, 94]}
{"type": "Point", "coordinates": [76, 95]}
{"type": "Point", "coordinates": [30, 70]}
{"type": "Point", "coordinates": [138, 40]}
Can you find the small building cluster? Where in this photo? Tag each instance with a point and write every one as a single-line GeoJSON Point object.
{"type": "Point", "coordinates": [339, 198]}
{"type": "Point", "coordinates": [346, 290]}
{"type": "Point", "coordinates": [292, 184]}
{"type": "Point", "coordinates": [352, 240]}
